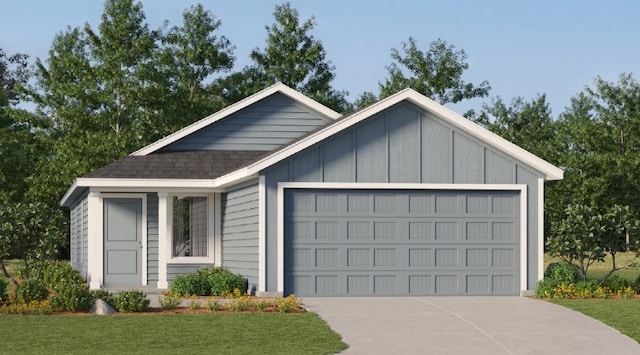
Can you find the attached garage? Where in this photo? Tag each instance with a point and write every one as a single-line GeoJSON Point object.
{"type": "Point", "coordinates": [402, 242]}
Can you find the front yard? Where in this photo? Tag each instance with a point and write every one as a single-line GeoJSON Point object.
{"type": "Point", "coordinates": [223, 333]}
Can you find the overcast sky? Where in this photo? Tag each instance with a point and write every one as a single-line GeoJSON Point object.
{"type": "Point", "coordinates": [523, 48]}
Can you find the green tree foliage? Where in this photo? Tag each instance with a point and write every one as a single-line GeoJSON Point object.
{"type": "Point", "coordinates": [295, 58]}
{"type": "Point", "coordinates": [598, 135]}
{"type": "Point", "coordinates": [528, 124]}
{"type": "Point", "coordinates": [436, 73]}
{"type": "Point", "coordinates": [578, 237]}
{"type": "Point", "coordinates": [191, 55]}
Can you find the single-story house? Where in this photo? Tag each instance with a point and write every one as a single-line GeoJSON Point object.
{"type": "Point", "coordinates": [403, 197]}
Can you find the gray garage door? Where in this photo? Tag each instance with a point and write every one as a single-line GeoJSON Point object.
{"type": "Point", "coordinates": [401, 242]}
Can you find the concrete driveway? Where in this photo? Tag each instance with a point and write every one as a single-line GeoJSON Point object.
{"type": "Point", "coordinates": [466, 325]}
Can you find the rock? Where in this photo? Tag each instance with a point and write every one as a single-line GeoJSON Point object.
{"type": "Point", "coordinates": [101, 307]}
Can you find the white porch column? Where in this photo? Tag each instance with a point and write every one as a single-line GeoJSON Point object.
{"type": "Point", "coordinates": [164, 242]}
{"type": "Point", "coordinates": [95, 241]}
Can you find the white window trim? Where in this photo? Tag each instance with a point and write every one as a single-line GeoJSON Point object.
{"type": "Point", "coordinates": [212, 212]}
{"type": "Point", "coordinates": [521, 188]}
{"type": "Point", "coordinates": [95, 246]}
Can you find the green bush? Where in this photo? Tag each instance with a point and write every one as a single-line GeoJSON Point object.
{"type": "Point", "coordinates": [193, 284]}
{"type": "Point", "coordinates": [636, 285]}
{"type": "Point", "coordinates": [72, 297]}
{"type": "Point", "coordinates": [31, 290]}
{"type": "Point", "coordinates": [544, 288]}
{"type": "Point", "coordinates": [4, 283]}
{"type": "Point", "coordinates": [132, 301]}
{"type": "Point", "coordinates": [212, 281]}
{"type": "Point", "coordinates": [562, 273]}
{"type": "Point", "coordinates": [587, 289]}
{"type": "Point", "coordinates": [225, 281]}
{"type": "Point", "coordinates": [616, 283]}
{"type": "Point", "coordinates": [168, 300]}
{"type": "Point", "coordinates": [105, 296]}
{"type": "Point", "coordinates": [59, 273]}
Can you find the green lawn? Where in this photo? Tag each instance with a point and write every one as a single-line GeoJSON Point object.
{"type": "Point", "coordinates": [225, 333]}
{"type": "Point", "coordinates": [620, 314]}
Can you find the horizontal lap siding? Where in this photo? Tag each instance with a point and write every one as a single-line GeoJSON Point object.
{"type": "Point", "coordinates": [174, 270]}
{"type": "Point", "coordinates": [152, 238]}
{"type": "Point", "coordinates": [78, 236]}
{"type": "Point", "coordinates": [402, 144]}
{"type": "Point", "coordinates": [265, 125]}
{"type": "Point", "coordinates": [240, 232]}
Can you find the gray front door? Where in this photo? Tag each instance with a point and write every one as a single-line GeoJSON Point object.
{"type": "Point", "coordinates": [122, 241]}
{"type": "Point", "coordinates": [401, 242]}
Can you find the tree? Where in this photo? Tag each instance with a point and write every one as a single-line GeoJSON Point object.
{"type": "Point", "coordinates": [436, 73]}
{"type": "Point", "coordinates": [619, 225]}
{"type": "Point", "coordinates": [578, 237]}
{"type": "Point", "coordinates": [598, 133]}
{"type": "Point", "coordinates": [192, 54]}
{"type": "Point", "coordinates": [295, 58]}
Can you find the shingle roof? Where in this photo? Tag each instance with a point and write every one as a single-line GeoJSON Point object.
{"type": "Point", "coordinates": [206, 164]}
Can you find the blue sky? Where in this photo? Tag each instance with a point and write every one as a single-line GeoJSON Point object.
{"type": "Point", "coordinates": [522, 48]}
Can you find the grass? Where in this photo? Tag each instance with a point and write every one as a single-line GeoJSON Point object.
{"type": "Point", "coordinates": [620, 314]}
{"type": "Point", "coordinates": [226, 333]}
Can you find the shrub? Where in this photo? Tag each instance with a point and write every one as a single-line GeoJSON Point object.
{"type": "Point", "coordinates": [105, 296]}
{"type": "Point", "coordinates": [59, 273]}
{"type": "Point", "coordinates": [195, 283]}
{"type": "Point", "coordinates": [288, 304]}
{"type": "Point", "coordinates": [32, 308]}
{"type": "Point", "coordinates": [616, 282]}
{"type": "Point", "coordinates": [626, 293]}
{"type": "Point", "coordinates": [586, 289]}
{"type": "Point", "coordinates": [195, 304]}
{"type": "Point", "coordinates": [212, 305]}
{"type": "Point", "coordinates": [226, 281]}
{"type": "Point", "coordinates": [168, 300]}
{"type": "Point", "coordinates": [242, 304]}
{"type": "Point", "coordinates": [31, 290]}
{"type": "Point", "coordinates": [602, 292]}
{"type": "Point", "coordinates": [4, 283]}
{"type": "Point", "coordinates": [72, 297]}
{"type": "Point", "coordinates": [263, 304]}
{"type": "Point", "coordinates": [636, 285]}
{"type": "Point", "coordinates": [544, 288]}
{"type": "Point", "coordinates": [562, 273]}
{"type": "Point", "coordinates": [132, 301]}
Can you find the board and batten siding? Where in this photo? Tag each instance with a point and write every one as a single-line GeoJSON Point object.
{"type": "Point", "coordinates": [240, 232]}
{"type": "Point", "coordinates": [78, 236]}
{"type": "Point", "coordinates": [402, 144]}
{"type": "Point", "coordinates": [266, 125]}
{"type": "Point", "coordinates": [152, 239]}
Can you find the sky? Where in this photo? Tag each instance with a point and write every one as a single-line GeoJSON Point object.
{"type": "Point", "coordinates": [522, 48]}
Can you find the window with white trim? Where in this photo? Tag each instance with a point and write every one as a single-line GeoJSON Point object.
{"type": "Point", "coordinates": [190, 226]}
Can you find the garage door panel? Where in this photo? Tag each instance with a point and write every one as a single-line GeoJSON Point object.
{"type": "Point", "coordinates": [426, 243]}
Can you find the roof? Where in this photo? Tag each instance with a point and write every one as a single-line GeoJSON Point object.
{"type": "Point", "coordinates": [204, 164]}
{"type": "Point", "coordinates": [221, 169]}
{"type": "Point", "coordinates": [550, 171]}
{"type": "Point", "coordinates": [322, 110]}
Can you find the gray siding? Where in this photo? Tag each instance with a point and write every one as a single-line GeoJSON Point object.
{"type": "Point", "coordinates": [152, 238]}
{"type": "Point", "coordinates": [402, 144]}
{"type": "Point", "coordinates": [240, 232]}
{"type": "Point", "coordinates": [265, 125]}
{"type": "Point", "coordinates": [78, 236]}
{"type": "Point", "coordinates": [174, 270]}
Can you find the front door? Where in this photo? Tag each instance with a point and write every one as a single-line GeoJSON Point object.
{"type": "Point", "coordinates": [122, 241]}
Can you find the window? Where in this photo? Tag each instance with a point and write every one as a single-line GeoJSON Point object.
{"type": "Point", "coordinates": [190, 226]}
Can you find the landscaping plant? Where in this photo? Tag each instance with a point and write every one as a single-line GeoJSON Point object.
{"type": "Point", "coordinates": [132, 301]}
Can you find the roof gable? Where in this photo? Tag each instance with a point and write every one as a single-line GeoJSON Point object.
{"type": "Point", "coordinates": [318, 109]}
{"type": "Point", "coordinates": [446, 115]}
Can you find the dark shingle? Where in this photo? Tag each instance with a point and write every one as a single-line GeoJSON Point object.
{"type": "Point", "coordinates": [204, 164]}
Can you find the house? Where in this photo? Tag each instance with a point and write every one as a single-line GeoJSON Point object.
{"type": "Point", "coordinates": [404, 197]}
